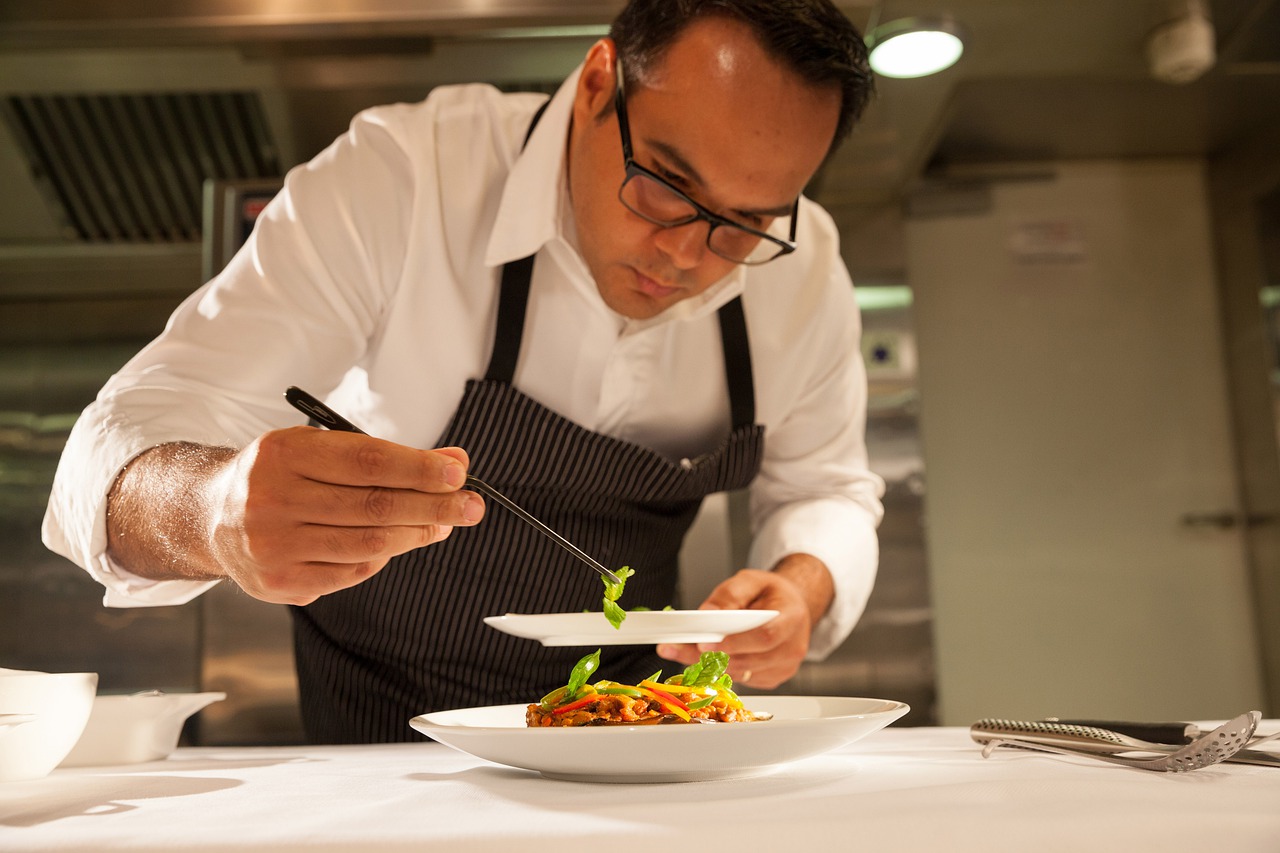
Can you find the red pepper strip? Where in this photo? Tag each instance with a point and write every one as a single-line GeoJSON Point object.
{"type": "Point", "coordinates": [664, 696]}
{"type": "Point", "coordinates": [576, 704]}
{"type": "Point", "coordinates": [667, 706]}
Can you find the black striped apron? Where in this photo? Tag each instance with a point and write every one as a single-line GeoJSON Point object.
{"type": "Point", "coordinates": [411, 639]}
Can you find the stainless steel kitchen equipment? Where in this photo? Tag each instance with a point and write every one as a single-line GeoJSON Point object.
{"type": "Point", "coordinates": [1219, 745]}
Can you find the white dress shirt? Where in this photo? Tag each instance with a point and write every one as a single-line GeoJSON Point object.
{"type": "Point", "coordinates": [370, 280]}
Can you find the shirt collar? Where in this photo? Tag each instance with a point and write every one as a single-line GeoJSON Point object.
{"type": "Point", "coordinates": [529, 211]}
{"type": "Point", "coordinates": [535, 209]}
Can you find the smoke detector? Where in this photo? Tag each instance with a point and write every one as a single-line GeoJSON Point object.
{"type": "Point", "coordinates": [1182, 50]}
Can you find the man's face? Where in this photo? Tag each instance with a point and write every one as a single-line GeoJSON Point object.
{"type": "Point", "coordinates": [720, 121]}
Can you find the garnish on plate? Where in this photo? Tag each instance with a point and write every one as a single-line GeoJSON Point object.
{"type": "Point", "coordinates": [612, 592]}
{"type": "Point", "coordinates": [702, 693]}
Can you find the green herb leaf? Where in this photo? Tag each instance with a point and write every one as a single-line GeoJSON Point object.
{"type": "Point", "coordinates": [581, 672]}
{"type": "Point", "coordinates": [614, 613]}
{"type": "Point", "coordinates": [709, 669]}
{"type": "Point", "coordinates": [553, 698]}
{"type": "Point", "coordinates": [612, 592]}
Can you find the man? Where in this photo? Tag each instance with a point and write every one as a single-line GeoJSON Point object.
{"type": "Point", "coordinates": [608, 308]}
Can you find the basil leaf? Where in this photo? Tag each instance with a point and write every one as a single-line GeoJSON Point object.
{"type": "Point", "coordinates": [614, 613]}
{"type": "Point", "coordinates": [581, 672]}
{"type": "Point", "coordinates": [612, 592]}
{"type": "Point", "coordinates": [711, 666]}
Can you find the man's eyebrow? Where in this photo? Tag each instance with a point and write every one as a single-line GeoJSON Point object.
{"type": "Point", "coordinates": [674, 157]}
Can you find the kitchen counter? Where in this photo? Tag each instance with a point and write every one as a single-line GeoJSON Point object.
{"type": "Point", "coordinates": [900, 789]}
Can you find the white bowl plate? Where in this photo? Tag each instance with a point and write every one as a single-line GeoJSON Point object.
{"type": "Point", "coordinates": [802, 726]}
{"type": "Point", "coordinates": [642, 627]}
{"type": "Point", "coordinates": [45, 713]}
{"type": "Point", "coordinates": [130, 729]}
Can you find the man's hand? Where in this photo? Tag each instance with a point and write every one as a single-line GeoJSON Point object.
{"type": "Point", "coordinates": [297, 514]}
{"type": "Point", "coordinates": [799, 588]}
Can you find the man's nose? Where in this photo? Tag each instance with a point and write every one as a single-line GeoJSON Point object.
{"type": "Point", "coordinates": [685, 245]}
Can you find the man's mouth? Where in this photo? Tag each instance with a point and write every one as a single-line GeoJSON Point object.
{"type": "Point", "coordinates": [653, 287]}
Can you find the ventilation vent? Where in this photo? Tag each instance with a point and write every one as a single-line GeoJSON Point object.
{"type": "Point", "coordinates": [129, 168]}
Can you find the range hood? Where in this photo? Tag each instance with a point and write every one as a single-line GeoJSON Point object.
{"type": "Point", "coordinates": [113, 115]}
{"type": "Point", "coordinates": [80, 23]}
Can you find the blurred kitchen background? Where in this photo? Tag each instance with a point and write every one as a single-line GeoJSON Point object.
{"type": "Point", "coordinates": [1068, 264]}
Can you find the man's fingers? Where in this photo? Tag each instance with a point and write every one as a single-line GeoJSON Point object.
{"type": "Point", "coordinates": [320, 543]}
{"type": "Point", "coordinates": [373, 506]}
{"type": "Point", "coordinates": [353, 459]}
{"type": "Point", "coordinates": [741, 591]}
{"type": "Point", "coordinates": [684, 653]}
{"type": "Point", "coordinates": [302, 584]}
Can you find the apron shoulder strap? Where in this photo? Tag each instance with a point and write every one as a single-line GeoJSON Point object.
{"type": "Point", "coordinates": [512, 299]}
{"type": "Point", "coordinates": [737, 363]}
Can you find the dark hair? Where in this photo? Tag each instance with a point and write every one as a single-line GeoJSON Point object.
{"type": "Point", "coordinates": [811, 37]}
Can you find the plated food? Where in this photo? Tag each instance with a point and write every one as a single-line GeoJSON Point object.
{"type": "Point", "coordinates": [702, 693]}
{"type": "Point", "coordinates": [802, 726]}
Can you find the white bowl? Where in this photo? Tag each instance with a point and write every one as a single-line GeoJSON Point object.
{"type": "Point", "coordinates": [59, 702]}
{"type": "Point", "coordinates": [135, 728]}
{"type": "Point", "coordinates": [8, 721]}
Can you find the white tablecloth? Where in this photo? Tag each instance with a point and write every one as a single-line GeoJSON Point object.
{"type": "Point", "coordinates": [901, 789]}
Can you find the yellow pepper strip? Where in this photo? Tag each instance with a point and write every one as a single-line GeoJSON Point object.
{"type": "Point", "coordinates": [670, 708]}
{"type": "Point", "coordinates": [677, 689]}
{"type": "Point", "coordinates": [730, 698]}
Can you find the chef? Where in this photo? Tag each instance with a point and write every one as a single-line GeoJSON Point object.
{"type": "Point", "coordinates": [608, 305]}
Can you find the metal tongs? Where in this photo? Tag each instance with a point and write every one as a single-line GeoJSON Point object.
{"type": "Point", "coordinates": [1225, 743]}
{"type": "Point", "coordinates": [327, 417]}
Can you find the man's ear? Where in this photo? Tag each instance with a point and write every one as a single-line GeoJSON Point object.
{"type": "Point", "coordinates": [597, 81]}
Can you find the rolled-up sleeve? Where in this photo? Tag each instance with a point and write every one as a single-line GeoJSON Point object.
{"type": "Point", "coordinates": [295, 307]}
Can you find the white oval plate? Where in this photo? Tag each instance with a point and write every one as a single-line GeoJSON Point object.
{"type": "Point", "coordinates": [639, 628]}
{"type": "Point", "coordinates": [802, 726]}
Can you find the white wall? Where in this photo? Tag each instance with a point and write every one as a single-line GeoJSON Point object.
{"type": "Point", "coordinates": [1073, 410]}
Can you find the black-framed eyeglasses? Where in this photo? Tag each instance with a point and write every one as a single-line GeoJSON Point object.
{"type": "Point", "coordinates": [655, 200]}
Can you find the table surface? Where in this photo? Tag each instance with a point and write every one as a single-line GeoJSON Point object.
{"type": "Point", "coordinates": [900, 789]}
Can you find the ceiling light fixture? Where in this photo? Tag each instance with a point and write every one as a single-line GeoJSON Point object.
{"type": "Point", "coordinates": [915, 47]}
{"type": "Point", "coordinates": [1182, 50]}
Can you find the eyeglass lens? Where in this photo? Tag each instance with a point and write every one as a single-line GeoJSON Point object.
{"type": "Point", "coordinates": [662, 205]}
